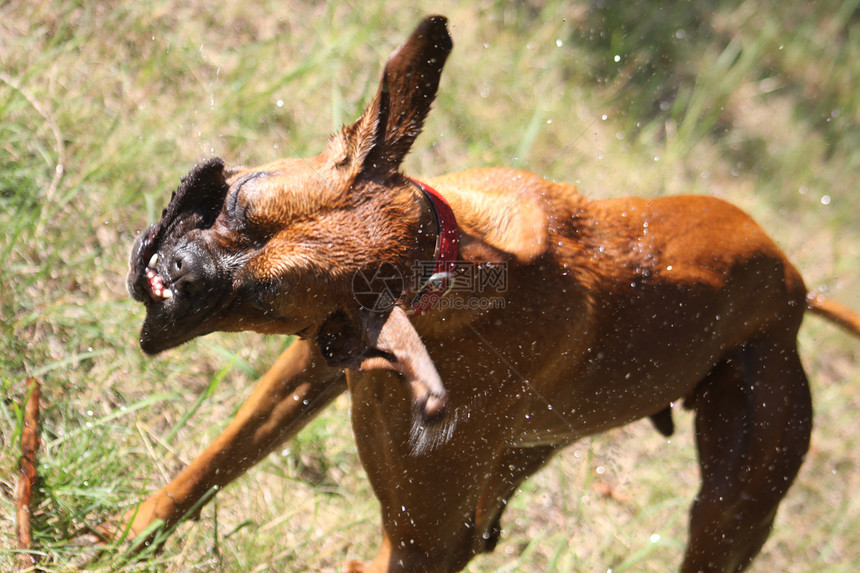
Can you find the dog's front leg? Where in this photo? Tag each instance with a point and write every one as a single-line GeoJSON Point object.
{"type": "Point", "coordinates": [286, 398]}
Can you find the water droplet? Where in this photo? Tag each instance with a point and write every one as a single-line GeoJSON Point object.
{"type": "Point", "coordinates": [825, 200]}
{"type": "Point", "coordinates": [655, 538]}
{"type": "Point", "coordinates": [617, 58]}
{"type": "Point", "coordinates": [559, 43]}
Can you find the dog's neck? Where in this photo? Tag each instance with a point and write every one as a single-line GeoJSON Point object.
{"type": "Point", "coordinates": [436, 277]}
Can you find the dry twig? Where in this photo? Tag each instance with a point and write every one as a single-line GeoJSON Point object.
{"type": "Point", "coordinates": [27, 474]}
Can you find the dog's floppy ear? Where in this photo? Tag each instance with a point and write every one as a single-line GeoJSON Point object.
{"type": "Point", "coordinates": [199, 198]}
{"type": "Point", "coordinates": [370, 340]}
{"type": "Point", "coordinates": [381, 138]}
{"type": "Point", "coordinates": [195, 205]}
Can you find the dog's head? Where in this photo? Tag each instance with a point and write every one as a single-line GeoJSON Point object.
{"type": "Point", "coordinates": [275, 248]}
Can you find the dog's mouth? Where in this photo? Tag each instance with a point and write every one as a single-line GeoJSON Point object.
{"type": "Point", "coordinates": [157, 287]}
{"type": "Point", "coordinates": [181, 302]}
{"type": "Point", "coordinates": [142, 276]}
{"type": "Point", "coordinates": [146, 283]}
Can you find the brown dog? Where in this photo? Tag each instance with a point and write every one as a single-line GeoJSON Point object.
{"type": "Point", "coordinates": [547, 316]}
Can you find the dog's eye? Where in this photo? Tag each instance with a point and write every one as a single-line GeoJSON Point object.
{"type": "Point", "coordinates": [234, 205]}
{"type": "Point", "coordinates": [233, 208]}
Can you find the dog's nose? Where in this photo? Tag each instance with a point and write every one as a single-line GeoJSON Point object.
{"type": "Point", "coordinates": [186, 270]}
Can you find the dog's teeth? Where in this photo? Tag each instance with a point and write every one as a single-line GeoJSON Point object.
{"type": "Point", "coordinates": [167, 293]}
{"type": "Point", "coordinates": [152, 261]}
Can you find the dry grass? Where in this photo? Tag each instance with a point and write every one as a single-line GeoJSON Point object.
{"type": "Point", "coordinates": [751, 102]}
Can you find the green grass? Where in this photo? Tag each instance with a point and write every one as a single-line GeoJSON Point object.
{"type": "Point", "coordinates": [753, 102]}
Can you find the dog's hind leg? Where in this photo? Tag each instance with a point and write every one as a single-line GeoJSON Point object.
{"type": "Point", "coordinates": [753, 422]}
{"type": "Point", "coordinates": [286, 398]}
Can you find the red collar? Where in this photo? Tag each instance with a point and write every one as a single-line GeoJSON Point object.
{"type": "Point", "coordinates": [441, 280]}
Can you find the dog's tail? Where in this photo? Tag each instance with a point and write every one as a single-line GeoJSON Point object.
{"type": "Point", "coordinates": [834, 312]}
